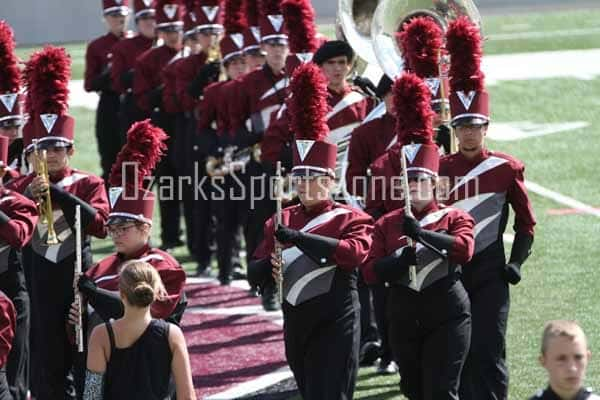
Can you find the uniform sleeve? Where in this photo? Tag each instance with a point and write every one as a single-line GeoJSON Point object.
{"type": "Point", "coordinates": [173, 278]}
{"type": "Point", "coordinates": [142, 82]}
{"type": "Point", "coordinates": [376, 252]}
{"type": "Point", "coordinates": [358, 163]}
{"type": "Point", "coordinates": [354, 243]}
{"type": "Point", "coordinates": [519, 200]}
{"type": "Point", "coordinates": [93, 67]}
{"type": "Point", "coordinates": [7, 327]}
{"type": "Point", "coordinates": [267, 246]}
{"type": "Point", "coordinates": [239, 106]}
{"type": "Point", "coordinates": [276, 136]}
{"type": "Point", "coordinates": [97, 198]}
{"type": "Point", "coordinates": [207, 108]}
{"type": "Point", "coordinates": [23, 218]}
{"type": "Point", "coordinates": [186, 72]}
{"type": "Point", "coordinates": [464, 243]}
{"type": "Point", "coordinates": [117, 69]}
{"type": "Point", "coordinates": [170, 100]}
{"type": "Point", "coordinates": [374, 204]}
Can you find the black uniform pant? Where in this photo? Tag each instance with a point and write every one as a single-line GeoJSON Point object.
{"type": "Point", "coordinates": [128, 113]}
{"type": "Point", "coordinates": [430, 334]}
{"type": "Point", "coordinates": [51, 297]}
{"type": "Point", "coordinates": [109, 136]}
{"type": "Point", "coordinates": [368, 326]}
{"type": "Point", "coordinates": [169, 191]}
{"type": "Point", "coordinates": [321, 347]}
{"type": "Point", "coordinates": [4, 390]}
{"type": "Point", "coordinates": [12, 282]}
{"type": "Point", "coordinates": [231, 209]}
{"type": "Point", "coordinates": [485, 376]}
{"type": "Point", "coordinates": [380, 298]}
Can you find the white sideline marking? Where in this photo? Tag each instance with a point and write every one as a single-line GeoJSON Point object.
{"type": "Point", "coordinates": [508, 238]}
{"type": "Point", "coordinates": [542, 34]}
{"type": "Point", "coordinates": [505, 132]}
{"type": "Point", "coordinates": [561, 198]}
{"type": "Point", "coordinates": [253, 386]}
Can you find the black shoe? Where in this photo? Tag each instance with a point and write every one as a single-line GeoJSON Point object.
{"type": "Point", "coordinates": [225, 281]}
{"type": "Point", "coordinates": [201, 270]}
{"type": "Point", "coordinates": [238, 273]}
{"type": "Point", "coordinates": [269, 301]}
{"type": "Point", "coordinates": [369, 353]}
{"type": "Point", "coordinates": [253, 291]}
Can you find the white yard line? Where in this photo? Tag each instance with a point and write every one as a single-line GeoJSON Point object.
{"type": "Point", "coordinates": [252, 386]}
{"type": "Point", "coordinates": [561, 198]}
{"type": "Point", "coordinates": [542, 34]}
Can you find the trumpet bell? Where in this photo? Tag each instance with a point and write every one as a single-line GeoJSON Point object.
{"type": "Point", "coordinates": [390, 16]}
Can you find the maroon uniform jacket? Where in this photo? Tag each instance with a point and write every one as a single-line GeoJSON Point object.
{"type": "Point", "coordinates": [97, 57]}
{"type": "Point", "coordinates": [106, 276]}
{"type": "Point", "coordinates": [348, 109]}
{"type": "Point", "coordinates": [8, 318]}
{"type": "Point", "coordinates": [148, 74]}
{"type": "Point", "coordinates": [388, 238]}
{"type": "Point", "coordinates": [18, 231]}
{"type": "Point", "coordinates": [484, 187]}
{"type": "Point", "coordinates": [385, 184]}
{"type": "Point", "coordinates": [213, 109]}
{"type": "Point", "coordinates": [258, 94]}
{"type": "Point", "coordinates": [369, 141]}
{"type": "Point", "coordinates": [88, 188]}
{"type": "Point", "coordinates": [304, 279]}
{"type": "Point", "coordinates": [185, 72]}
{"type": "Point", "coordinates": [124, 54]}
{"type": "Point", "coordinates": [171, 102]}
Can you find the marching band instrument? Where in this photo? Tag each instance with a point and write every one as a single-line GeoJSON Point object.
{"type": "Point", "coordinates": [278, 248]}
{"type": "Point", "coordinates": [390, 16]}
{"type": "Point", "coordinates": [44, 202]}
{"type": "Point", "coordinates": [412, 270]}
{"type": "Point", "coordinates": [78, 269]}
{"type": "Point", "coordinates": [444, 100]}
{"type": "Point", "coordinates": [232, 160]}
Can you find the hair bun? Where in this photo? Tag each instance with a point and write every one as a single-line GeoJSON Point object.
{"type": "Point", "coordinates": [144, 294]}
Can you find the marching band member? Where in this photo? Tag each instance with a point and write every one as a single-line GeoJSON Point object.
{"type": "Point", "coordinates": [493, 181]}
{"type": "Point", "coordinates": [428, 307]}
{"type": "Point", "coordinates": [7, 333]}
{"type": "Point", "coordinates": [18, 218]}
{"type": "Point", "coordinates": [49, 266]}
{"type": "Point", "coordinates": [124, 54]}
{"type": "Point", "coordinates": [97, 78]}
{"type": "Point", "coordinates": [253, 52]}
{"type": "Point", "coordinates": [215, 133]}
{"type": "Point", "coordinates": [324, 243]}
{"type": "Point", "coordinates": [421, 39]}
{"type": "Point", "coordinates": [148, 86]}
{"type": "Point", "coordinates": [129, 224]}
{"type": "Point", "coordinates": [191, 74]}
{"type": "Point", "coordinates": [11, 116]}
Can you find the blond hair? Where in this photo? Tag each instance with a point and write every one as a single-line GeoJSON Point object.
{"type": "Point", "coordinates": [561, 328]}
{"type": "Point", "coordinates": [140, 283]}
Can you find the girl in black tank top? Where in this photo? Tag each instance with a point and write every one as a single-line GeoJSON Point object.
{"type": "Point", "coordinates": [142, 370]}
{"type": "Point", "coordinates": [152, 351]}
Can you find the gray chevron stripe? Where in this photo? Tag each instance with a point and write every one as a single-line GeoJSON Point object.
{"type": "Point", "coordinates": [303, 279]}
{"type": "Point", "coordinates": [55, 253]}
{"type": "Point", "coordinates": [430, 269]}
{"type": "Point", "coordinates": [486, 210]}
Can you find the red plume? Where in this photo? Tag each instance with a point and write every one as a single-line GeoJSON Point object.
{"type": "Point", "coordinates": [9, 70]}
{"type": "Point", "coordinates": [463, 41]}
{"type": "Point", "coordinates": [412, 107]}
{"type": "Point", "coordinates": [421, 40]}
{"type": "Point", "coordinates": [235, 20]}
{"type": "Point", "coordinates": [270, 7]}
{"type": "Point", "coordinates": [145, 146]}
{"type": "Point", "coordinates": [299, 17]}
{"type": "Point", "coordinates": [308, 105]}
{"type": "Point", "coordinates": [251, 11]}
{"type": "Point", "coordinates": [47, 76]}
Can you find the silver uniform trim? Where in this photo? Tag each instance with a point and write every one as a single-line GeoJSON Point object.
{"type": "Point", "coordinates": [300, 284]}
{"type": "Point", "coordinates": [486, 165]}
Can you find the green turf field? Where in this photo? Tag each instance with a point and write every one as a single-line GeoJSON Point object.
{"type": "Point", "coordinates": [562, 278]}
